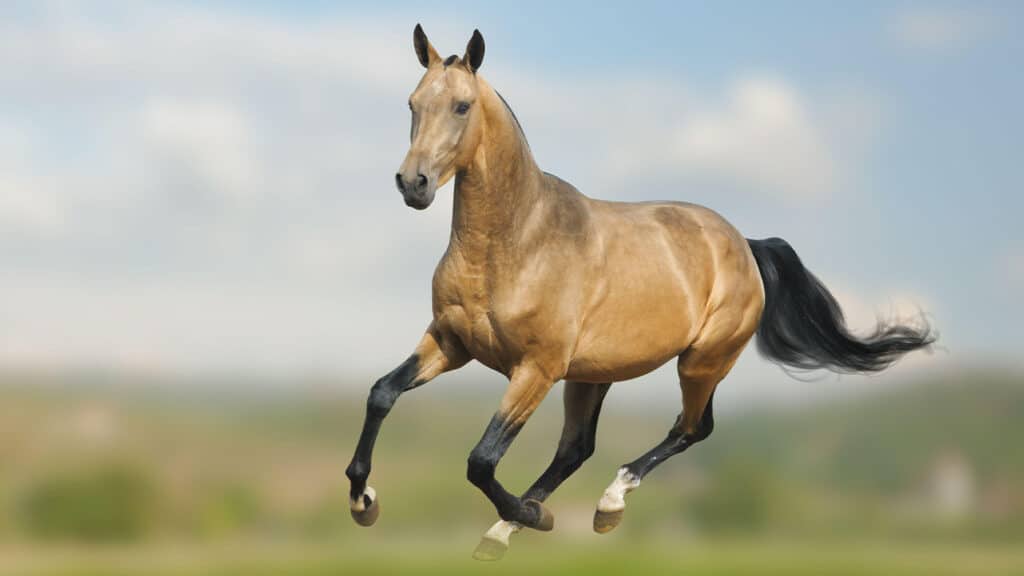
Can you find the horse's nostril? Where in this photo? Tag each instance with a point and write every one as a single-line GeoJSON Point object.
{"type": "Point", "coordinates": [421, 180]}
{"type": "Point", "coordinates": [398, 182]}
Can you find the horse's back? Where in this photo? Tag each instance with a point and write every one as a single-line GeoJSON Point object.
{"type": "Point", "coordinates": [706, 248]}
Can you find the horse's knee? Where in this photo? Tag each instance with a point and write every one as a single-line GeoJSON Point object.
{"type": "Point", "coordinates": [386, 390]}
{"type": "Point", "coordinates": [480, 467]}
{"type": "Point", "coordinates": [382, 397]}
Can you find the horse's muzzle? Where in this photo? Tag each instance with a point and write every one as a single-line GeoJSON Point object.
{"type": "Point", "coordinates": [417, 192]}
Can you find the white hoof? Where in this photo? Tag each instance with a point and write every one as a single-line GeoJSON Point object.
{"type": "Point", "coordinates": [365, 509]}
{"type": "Point", "coordinates": [494, 542]}
{"type": "Point", "coordinates": [613, 502]}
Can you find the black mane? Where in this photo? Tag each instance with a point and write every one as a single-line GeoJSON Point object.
{"type": "Point", "coordinates": [518, 125]}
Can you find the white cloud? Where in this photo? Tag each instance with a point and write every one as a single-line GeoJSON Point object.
{"type": "Point", "coordinates": [210, 139]}
{"type": "Point", "coordinates": [937, 29]}
{"type": "Point", "coordinates": [759, 133]}
{"type": "Point", "coordinates": [27, 199]}
{"type": "Point", "coordinates": [862, 313]}
{"type": "Point", "coordinates": [763, 136]}
{"type": "Point", "coordinates": [26, 203]}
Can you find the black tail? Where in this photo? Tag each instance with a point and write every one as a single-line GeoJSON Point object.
{"type": "Point", "coordinates": [802, 325]}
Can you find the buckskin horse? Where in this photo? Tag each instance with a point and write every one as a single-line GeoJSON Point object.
{"type": "Point", "coordinates": [542, 284]}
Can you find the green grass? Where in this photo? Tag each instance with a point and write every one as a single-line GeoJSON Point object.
{"type": "Point", "coordinates": [240, 484]}
{"type": "Point", "coordinates": [533, 554]}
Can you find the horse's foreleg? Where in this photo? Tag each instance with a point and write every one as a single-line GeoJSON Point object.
{"type": "Point", "coordinates": [582, 407]}
{"type": "Point", "coordinates": [527, 388]}
{"type": "Point", "coordinates": [428, 361]}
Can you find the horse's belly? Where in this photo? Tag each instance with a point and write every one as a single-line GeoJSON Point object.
{"type": "Point", "coordinates": [616, 349]}
{"type": "Point", "coordinates": [601, 369]}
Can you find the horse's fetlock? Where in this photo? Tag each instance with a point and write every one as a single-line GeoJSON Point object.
{"type": "Point", "coordinates": [357, 471]}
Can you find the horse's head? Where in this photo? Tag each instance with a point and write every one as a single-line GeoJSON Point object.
{"type": "Point", "coordinates": [446, 125]}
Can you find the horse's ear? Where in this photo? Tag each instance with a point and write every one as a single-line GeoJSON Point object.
{"type": "Point", "coordinates": [424, 51]}
{"type": "Point", "coordinates": [474, 56]}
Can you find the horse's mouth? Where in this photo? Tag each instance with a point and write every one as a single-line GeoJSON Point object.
{"type": "Point", "coordinates": [418, 201]}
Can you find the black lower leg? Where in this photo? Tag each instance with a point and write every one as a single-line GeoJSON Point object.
{"type": "Point", "coordinates": [482, 463]}
{"type": "Point", "coordinates": [562, 466]}
{"type": "Point", "coordinates": [583, 407]}
{"type": "Point", "coordinates": [677, 441]}
{"type": "Point", "coordinates": [382, 398]}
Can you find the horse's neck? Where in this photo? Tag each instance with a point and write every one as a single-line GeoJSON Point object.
{"type": "Point", "coordinates": [500, 187]}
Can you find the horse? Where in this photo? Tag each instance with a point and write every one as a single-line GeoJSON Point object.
{"type": "Point", "coordinates": [542, 283]}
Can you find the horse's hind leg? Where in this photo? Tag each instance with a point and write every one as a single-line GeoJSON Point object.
{"type": "Point", "coordinates": [699, 374]}
{"type": "Point", "coordinates": [582, 408]}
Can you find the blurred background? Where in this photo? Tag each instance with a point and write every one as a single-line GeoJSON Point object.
{"type": "Point", "coordinates": [204, 265]}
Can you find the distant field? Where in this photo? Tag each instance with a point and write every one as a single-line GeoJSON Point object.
{"type": "Point", "coordinates": [99, 479]}
{"type": "Point", "coordinates": [530, 555]}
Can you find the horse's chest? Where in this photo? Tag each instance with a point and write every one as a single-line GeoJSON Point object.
{"type": "Point", "coordinates": [461, 307]}
{"type": "Point", "coordinates": [483, 324]}
{"type": "Point", "coordinates": [476, 330]}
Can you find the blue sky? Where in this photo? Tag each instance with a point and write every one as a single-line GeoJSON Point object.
{"type": "Point", "coordinates": [207, 185]}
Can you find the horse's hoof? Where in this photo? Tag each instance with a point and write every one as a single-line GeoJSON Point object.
{"type": "Point", "coordinates": [495, 541]}
{"type": "Point", "coordinates": [611, 506]}
{"type": "Point", "coordinates": [545, 519]}
{"type": "Point", "coordinates": [605, 522]}
{"type": "Point", "coordinates": [366, 508]}
{"type": "Point", "coordinates": [490, 549]}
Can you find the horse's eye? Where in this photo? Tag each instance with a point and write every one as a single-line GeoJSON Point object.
{"type": "Point", "coordinates": [461, 108]}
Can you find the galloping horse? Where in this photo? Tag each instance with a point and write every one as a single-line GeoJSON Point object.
{"type": "Point", "coordinates": [542, 284]}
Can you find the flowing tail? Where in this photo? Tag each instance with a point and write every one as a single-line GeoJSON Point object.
{"type": "Point", "coordinates": [802, 325]}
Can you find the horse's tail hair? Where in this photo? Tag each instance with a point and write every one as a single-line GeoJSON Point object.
{"type": "Point", "coordinates": [802, 325]}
